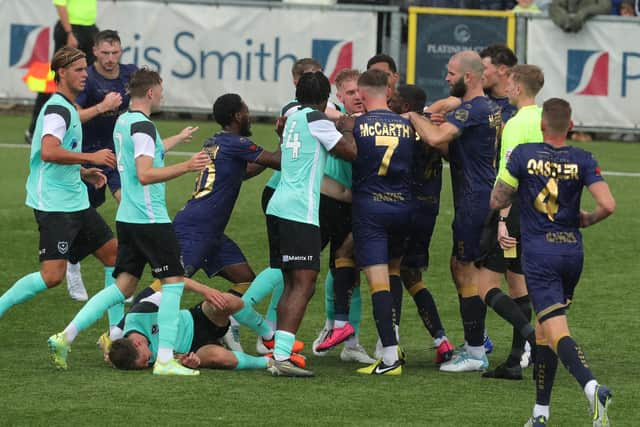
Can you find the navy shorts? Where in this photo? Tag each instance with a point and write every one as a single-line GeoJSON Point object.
{"type": "Point", "coordinates": [97, 195]}
{"type": "Point", "coordinates": [379, 237]}
{"type": "Point", "coordinates": [417, 247]}
{"type": "Point", "coordinates": [468, 223]}
{"type": "Point", "coordinates": [208, 253]}
{"type": "Point", "coordinates": [551, 279]}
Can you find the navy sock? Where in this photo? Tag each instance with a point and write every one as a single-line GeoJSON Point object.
{"type": "Point", "coordinates": [572, 357]}
{"type": "Point", "coordinates": [429, 312]}
{"type": "Point", "coordinates": [544, 373]}
{"type": "Point", "coordinates": [395, 284]}
{"type": "Point", "coordinates": [382, 302]}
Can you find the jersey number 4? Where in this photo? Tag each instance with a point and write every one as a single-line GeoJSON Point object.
{"type": "Point", "coordinates": [391, 142]}
{"type": "Point", "coordinates": [292, 141]}
{"type": "Point", "coordinates": [547, 199]}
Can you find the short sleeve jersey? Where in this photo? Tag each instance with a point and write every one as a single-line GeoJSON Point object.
{"type": "Point", "coordinates": [136, 135]}
{"type": "Point", "coordinates": [98, 132]}
{"type": "Point", "coordinates": [472, 154]}
{"type": "Point", "coordinates": [143, 319]}
{"type": "Point", "coordinates": [522, 128]}
{"type": "Point", "coordinates": [54, 187]}
{"type": "Point", "coordinates": [218, 185]}
{"type": "Point", "coordinates": [307, 138]}
{"type": "Point", "coordinates": [382, 171]}
{"type": "Point", "coordinates": [288, 110]}
{"type": "Point", "coordinates": [549, 182]}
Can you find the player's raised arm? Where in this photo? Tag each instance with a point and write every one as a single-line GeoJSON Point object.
{"type": "Point", "coordinates": [437, 137]}
{"type": "Point", "coordinates": [185, 136]}
{"type": "Point", "coordinates": [147, 174]}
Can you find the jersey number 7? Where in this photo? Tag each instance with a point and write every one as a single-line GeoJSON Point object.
{"type": "Point", "coordinates": [391, 142]}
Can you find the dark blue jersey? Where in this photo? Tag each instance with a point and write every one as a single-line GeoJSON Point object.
{"type": "Point", "coordinates": [98, 132]}
{"type": "Point", "coordinates": [217, 186]}
{"type": "Point", "coordinates": [550, 182]}
{"type": "Point", "coordinates": [427, 178]}
{"type": "Point", "coordinates": [382, 170]}
{"type": "Point", "coordinates": [472, 154]}
{"type": "Point", "coordinates": [507, 110]}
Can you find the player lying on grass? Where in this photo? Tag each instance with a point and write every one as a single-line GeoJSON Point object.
{"type": "Point", "coordinates": [200, 329]}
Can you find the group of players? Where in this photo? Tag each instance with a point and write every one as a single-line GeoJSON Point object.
{"type": "Point", "coordinates": [364, 178]}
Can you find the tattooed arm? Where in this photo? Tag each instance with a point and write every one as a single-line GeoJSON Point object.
{"type": "Point", "coordinates": [502, 195]}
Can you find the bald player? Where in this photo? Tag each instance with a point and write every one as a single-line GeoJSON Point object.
{"type": "Point", "coordinates": [468, 137]}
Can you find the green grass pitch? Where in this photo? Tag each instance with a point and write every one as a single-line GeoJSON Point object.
{"type": "Point", "coordinates": [604, 319]}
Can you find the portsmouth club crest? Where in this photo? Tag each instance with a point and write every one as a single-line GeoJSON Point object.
{"type": "Point", "coordinates": [63, 247]}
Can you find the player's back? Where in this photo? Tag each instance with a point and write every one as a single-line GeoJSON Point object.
{"type": "Point", "coordinates": [140, 204]}
{"type": "Point", "coordinates": [218, 184]}
{"type": "Point", "coordinates": [302, 164]}
{"type": "Point", "coordinates": [472, 154]}
{"type": "Point", "coordinates": [426, 177]}
{"type": "Point", "coordinates": [550, 182]}
{"type": "Point", "coordinates": [382, 171]}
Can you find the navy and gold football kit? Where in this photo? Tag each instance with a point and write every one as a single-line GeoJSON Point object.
{"type": "Point", "coordinates": [381, 186]}
{"type": "Point", "coordinates": [98, 132]}
{"type": "Point", "coordinates": [426, 188]}
{"type": "Point", "coordinates": [201, 222]}
{"type": "Point", "coordinates": [550, 182]}
{"type": "Point", "coordinates": [472, 156]}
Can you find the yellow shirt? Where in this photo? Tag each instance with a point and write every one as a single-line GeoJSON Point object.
{"type": "Point", "coordinates": [81, 12]}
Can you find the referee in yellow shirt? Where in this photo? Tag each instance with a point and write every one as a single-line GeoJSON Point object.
{"type": "Point", "coordinates": [76, 27]}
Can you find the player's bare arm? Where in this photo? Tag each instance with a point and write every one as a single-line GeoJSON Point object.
{"type": "Point", "coordinates": [502, 195]}
{"type": "Point", "coordinates": [443, 106]}
{"type": "Point", "coordinates": [147, 174]}
{"type": "Point", "coordinates": [437, 137]}
{"type": "Point", "coordinates": [605, 204]}
{"type": "Point", "coordinates": [111, 102]}
{"type": "Point", "coordinates": [185, 136]}
{"type": "Point", "coordinates": [53, 152]}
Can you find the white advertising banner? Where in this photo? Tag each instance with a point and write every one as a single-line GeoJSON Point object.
{"type": "Point", "coordinates": [597, 70]}
{"type": "Point", "coordinates": [200, 51]}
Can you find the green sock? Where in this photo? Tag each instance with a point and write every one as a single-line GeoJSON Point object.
{"type": "Point", "coordinates": [284, 345]}
{"type": "Point", "coordinates": [23, 290]}
{"type": "Point", "coordinates": [168, 319]}
{"type": "Point", "coordinates": [251, 319]}
{"type": "Point", "coordinates": [264, 284]}
{"type": "Point", "coordinates": [93, 310]}
{"type": "Point", "coordinates": [355, 310]}
{"type": "Point", "coordinates": [272, 311]}
{"type": "Point", "coordinates": [329, 297]}
{"type": "Point", "coordinates": [249, 362]}
{"type": "Point", "coordinates": [115, 312]}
